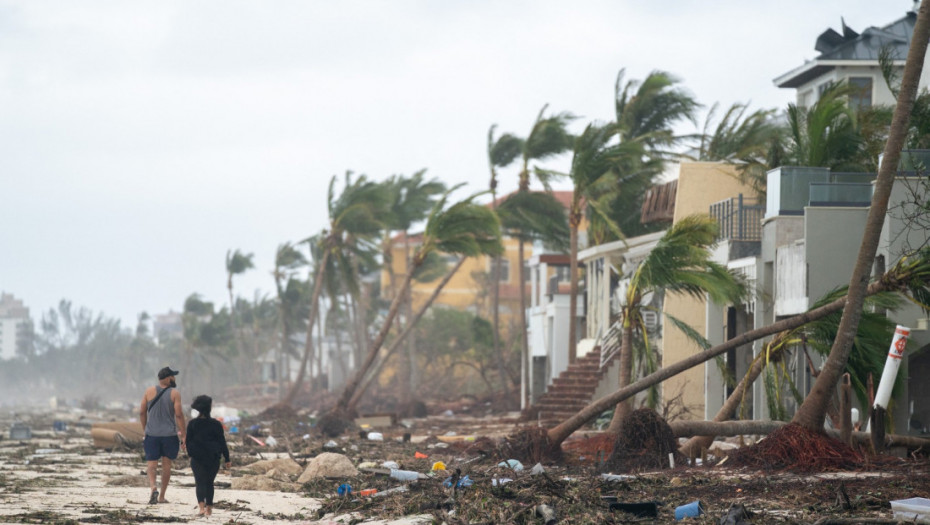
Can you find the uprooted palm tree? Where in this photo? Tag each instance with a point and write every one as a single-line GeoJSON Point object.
{"type": "Point", "coordinates": [910, 277]}
{"type": "Point", "coordinates": [464, 228]}
{"type": "Point", "coordinates": [867, 356]}
{"type": "Point", "coordinates": [355, 221]}
{"type": "Point", "coordinates": [681, 263]}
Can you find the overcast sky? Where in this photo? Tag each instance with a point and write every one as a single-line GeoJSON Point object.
{"type": "Point", "coordinates": [139, 141]}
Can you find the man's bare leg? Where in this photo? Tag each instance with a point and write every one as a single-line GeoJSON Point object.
{"type": "Point", "coordinates": [165, 477]}
{"type": "Point", "coordinates": [150, 470]}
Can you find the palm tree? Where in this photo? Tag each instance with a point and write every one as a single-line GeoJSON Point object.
{"type": "Point", "coordinates": [502, 152]}
{"type": "Point", "coordinates": [413, 197]}
{"type": "Point", "coordinates": [355, 221]}
{"type": "Point", "coordinates": [910, 276]}
{"type": "Point", "coordinates": [746, 140]}
{"type": "Point", "coordinates": [548, 138]}
{"type": "Point", "coordinates": [464, 228]}
{"type": "Point", "coordinates": [681, 263]}
{"type": "Point", "coordinates": [594, 178]}
{"type": "Point", "coordinates": [866, 358]}
{"type": "Point", "coordinates": [813, 410]}
{"type": "Point", "coordinates": [287, 261]}
{"type": "Point", "coordinates": [646, 113]}
{"type": "Point", "coordinates": [237, 263]}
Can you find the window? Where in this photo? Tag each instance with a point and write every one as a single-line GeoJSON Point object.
{"type": "Point", "coordinates": [823, 87]}
{"type": "Point", "coordinates": [860, 92]}
{"type": "Point", "coordinates": [504, 276]}
{"type": "Point", "coordinates": [563, 273]}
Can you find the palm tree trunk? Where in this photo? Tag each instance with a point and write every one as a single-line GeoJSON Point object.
{"type": "Point", "coordinates": [396, 343]}
{"type": "Point", "coordinates": [812, 412]}
{"type": "Point", "coordinates": [524, 344]}
{"type": "Point", "coordinates": [350, 388]}
{"type": "Point", "coordinates": [308, 346]}
{"type": "Point", "coordinates": [573, 292]}
{"type": "Point", "coordinates": [560, 432]}
{"type": "Point", "coordinates": [413, 379]}
{"type": "Point", "coordinates": [624, 408]}
{"type": "Point", "coordinates": [728, 410]}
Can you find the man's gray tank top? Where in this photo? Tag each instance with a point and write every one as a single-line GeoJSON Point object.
{"type": "Point", "coordinates": [160, 421]}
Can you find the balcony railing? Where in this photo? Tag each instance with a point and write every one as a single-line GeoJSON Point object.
{"type": "Point", "coordinates": [740, 219]}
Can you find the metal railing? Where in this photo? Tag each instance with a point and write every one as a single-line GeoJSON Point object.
{"type": "Point", "coordinates": [740, 219]}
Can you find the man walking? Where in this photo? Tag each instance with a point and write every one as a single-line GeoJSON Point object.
{"type": "Point", "coordinates": [163, 421]}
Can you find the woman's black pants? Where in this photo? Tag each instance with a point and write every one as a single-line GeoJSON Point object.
{"type": "Point", "coordinates": [204, 474]}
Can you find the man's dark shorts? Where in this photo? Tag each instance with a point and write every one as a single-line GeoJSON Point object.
{"type": "Point", "coordinates": [157, 447]}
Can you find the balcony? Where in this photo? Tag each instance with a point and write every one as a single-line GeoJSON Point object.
{"type": "Point", "coordinates": [791, 189]}
{"type": "Point", "coordinates": [740, 219]}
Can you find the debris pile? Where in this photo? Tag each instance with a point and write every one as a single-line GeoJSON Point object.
{"type": "Point", "coordinates": [645, 443]}
{"type": "Point", "coordinates": [796, 449]}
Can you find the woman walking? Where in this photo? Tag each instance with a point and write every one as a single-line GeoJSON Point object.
{"type": "Point", "coordinates": [206, 442]}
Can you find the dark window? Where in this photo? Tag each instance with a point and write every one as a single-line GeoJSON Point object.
{"type": "Point", "coordinates": [505, 270]}
{"type": "Point", "coordinates": [860, 93]}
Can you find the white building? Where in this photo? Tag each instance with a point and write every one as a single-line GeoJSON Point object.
{"type": "Point", "coordinates": [15, 327]}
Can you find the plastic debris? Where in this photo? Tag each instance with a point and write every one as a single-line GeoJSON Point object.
{"type": "Point", "coordinates": [367, 464]}
{"type": "Point", "coordinates": [463, 482]}
{"type": "Point", "coordinates": [547, 514]}
{"type": "Point", "coordinates": [439, 465]}
{"type": "Point", "coordinates": [255, 439]}
{"type": "Point", "coordinates": [330, 444]}
{"type": "Point", "coordinates": [512, 464]}
{"type": "Point", "coordinates": [689, 510]}
{"type": "Point", "coordinates": [375, 436]}
{"type": "Point", "coordinates": [344, 490]}
{"type": "Point", "coordinates": [617, 477]}
{"type": "Point", "coordinates": [644, 509]}
{"type": "Point", "coordinates": [405, 475]}
{"type": "Point", "coordinates": [271, 441]}
{"type": "Point", "coordinates": [496, 482]}
{"type": "Point", "coordinates": [737, 514]}
{"type": "Point", "coordinates": [420, 455]}
{"type": "Point", "coordinates": [391, 465]}
{"type": "Point", "coordinates": [448, 413]}
{"type": "Point", "coordinates": [537, 469]}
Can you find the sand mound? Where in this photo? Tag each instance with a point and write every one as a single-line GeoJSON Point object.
{"type": "Point", "coordinates": [330, 465]}
{"type": "Point", "coordinates": [262, 483]}
{"type": "Point", "coordinates": [281, 465]}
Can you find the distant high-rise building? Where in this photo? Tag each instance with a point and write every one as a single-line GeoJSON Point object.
{"type": "Point", "coordinates": [167, 326]}
{"type": "Point", "coordinates": [15, 327]}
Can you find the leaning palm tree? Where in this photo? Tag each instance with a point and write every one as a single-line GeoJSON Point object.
{"type": "Point", "coordinates": [464, 228]}
{"type": "Point", "coordinates": [867, 356]}
{"type": "Point", "coordinates": [681, 263]}
{"type": "Point", "coordinates": [412, 199]}
{"type": "Point", "coordinates": [813, 410]}
{"type": "Point", "coordinates": [288, 260]}
{"type": "Point", "coordinates": [502, 152]}
{"type": "Point", "coordinates": [355, 221]}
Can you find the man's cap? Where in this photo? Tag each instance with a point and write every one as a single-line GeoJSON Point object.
{"type": "Point", "coordinates": [166, 372]}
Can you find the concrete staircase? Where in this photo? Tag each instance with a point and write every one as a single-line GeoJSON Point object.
{"type": "Point", "coordinates": [571, 391]}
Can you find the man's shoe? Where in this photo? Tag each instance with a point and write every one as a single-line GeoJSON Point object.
{"type": "Point", "coordinates": [153, 499]}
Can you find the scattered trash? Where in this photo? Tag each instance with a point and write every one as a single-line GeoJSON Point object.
{"type": "Point", "coordinates": [617, 477]}
{"type": "Point", "coordinates": [420, 455]}
{"type": "Point", "coordinates": [255, 439]}
{"type": "Point", "coordinates": [462, 482]}
{"type": "Point", "coordinates": [512, 464]}
{"type": "Point", "coordinates": [271, 441]}
{"type": "Point", "coordinates": [328, 444]}
{"type": "Point", "coordinates": [496, 482]}
{"type": "Point", "coordinates": [913, 510]}
{"type": "Point", "coordinates": [117, 433]}
{"type": "Point", "coordinates": [375, 436]}
{"type": "Point", "coordinates": [547, 514]}
{"type": "Point", "coordinates": [344, 490]}
{"type": "Point", "coordinates": [390, 465]}
{"type": "Point", "coordinates": [689, 510]}
{"type": "Point", "coordinates": [367, 492]}
{"type": "Point", "coordinates": [40, 451]}
{"type": "Point", "coordinates": [60, 426]}
{"type": "Point", "coordinates": [448, 413]}
{"type": "Point", "coordinates": [378, 494]}
{"type": "Point", "coordinates": [439, 465]}
{"type": "Point", "coordinates": [367, 464]}
{"type": "Point", "coordinates": [736, 515]}
{"type": "Point", "coordinates": [405, 475]}
{"type": "Point", "coordinates": [537, 469]}
{"type": "Point", "coordinates": [406, 437]}
{"type": "Point", "coordinates": [645, 509]}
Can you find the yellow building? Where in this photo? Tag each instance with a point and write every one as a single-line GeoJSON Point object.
{"type": "Point", "coordinates": [700, 184]}
{"type": "Point", "coordinates": [469, 289]}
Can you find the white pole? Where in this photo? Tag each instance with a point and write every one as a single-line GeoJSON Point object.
{"type": "Point", "coordinates": [892, 363]}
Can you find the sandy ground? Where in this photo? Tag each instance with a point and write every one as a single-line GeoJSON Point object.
{"type": "Point", "coordinates": [54, 477]}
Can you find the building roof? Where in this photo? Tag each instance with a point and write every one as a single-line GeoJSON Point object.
{"type": "Point", "coordinates": [838, 49]}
